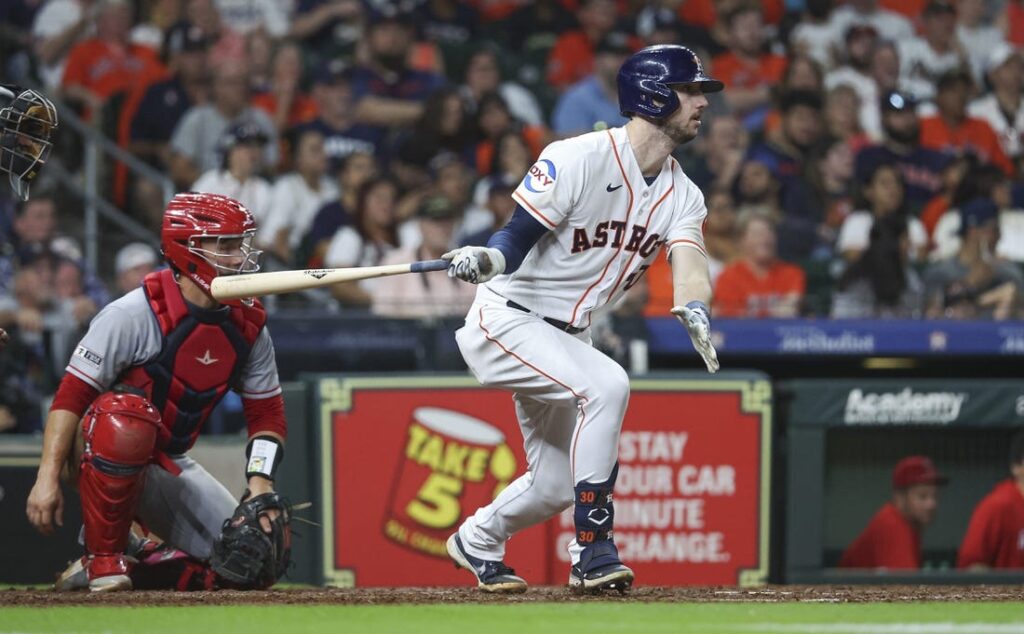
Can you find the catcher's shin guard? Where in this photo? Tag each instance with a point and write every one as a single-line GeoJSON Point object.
{"type": "Point", "coordinates": [599, 567]}
{"type": "Point", "coordinates": [120, 432]}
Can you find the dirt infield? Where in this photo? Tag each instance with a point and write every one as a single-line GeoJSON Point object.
{"type": "Point", "coordinates": [390, 596]}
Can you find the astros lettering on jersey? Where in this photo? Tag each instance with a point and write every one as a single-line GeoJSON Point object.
{"type": "Point", "coordinates": [607, 225]}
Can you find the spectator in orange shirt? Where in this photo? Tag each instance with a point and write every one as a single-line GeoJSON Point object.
{"type": "Point", "coordinates": [995, 536]}
{"type": "Point", "coordinates": [892, 539]}
{"type": "Point", "coordinates": [953, 132]}
{"type": "Point", "coordinates": [109, 63]}
{"type": "Point", "coordinates": [747, 71]}
{"type": "Point", "coordinates": [759, 284]}
{"type": "Point", "coordinates": [722, 244]}
{"type": "Point", "coordinates": [286, 102]}
{"type": "Point", "coordinates": [572, 57]}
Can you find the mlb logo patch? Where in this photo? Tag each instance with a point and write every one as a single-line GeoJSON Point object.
{"type": "Point", "coordinates": [90, 356]}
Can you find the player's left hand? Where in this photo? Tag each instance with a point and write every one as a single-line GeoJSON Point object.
{"type": "Point", "coordinates": [694, 317]}
{"type": "Point", "coordinates": [475, 265]}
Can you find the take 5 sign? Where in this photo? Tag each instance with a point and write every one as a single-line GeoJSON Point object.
{"type": "Point", "coordinates": [406, 459]}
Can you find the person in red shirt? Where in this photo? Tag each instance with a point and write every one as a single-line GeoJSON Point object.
{"type": "Point", "coordinates": [759, 284]}
{"type": "Point", "coordinates": [746, 69]}
{"type": "Point", "coordinates": [572, 57]}
{"type": "Point", "coordinates": [109, 63]}
{"type": "Point", "coordinates": [995, 536]}
{"type": "Point", "coordinates": [953, 132]}
{"type": "Point", "coordinates": [892, 539]}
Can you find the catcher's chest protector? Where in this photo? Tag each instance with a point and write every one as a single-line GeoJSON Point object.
{"type": "Point", "coordinates": [202, 355]}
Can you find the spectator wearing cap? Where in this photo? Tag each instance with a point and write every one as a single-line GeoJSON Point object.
{"type": "Point", "coordinates": [239, 174]}
{"type": "Point", "coordinates": [500, 204]}
{"type": "Point", "coordinates": [372, 234]}
{"type": "Point", "coordinates": [995, 534]}
{"type": "Point", "coordinates": [332, 92]}
{"type": "Point", "coordinates": [923, 60]}
{"type": "Point", "coordinates": [297, 197]}
{"type": "Point", "coordinates": [133, 262]}
{"type": "Point", "coordinates": [109, 63]}
{"type": "Point", "coordinates": [758, 284]}
{"type": "Point", "coordinates": [1003, 108]}
{"type": "Point", "coordinates": [430, 294]}
{"type": "Point", "coordinates": [594, 102]}
{"type": "Point", "coordinates": [484, 75]}
{"type": "Point", "coordinates": [889, 25]}
{"type": "Point", "coordinates": [979, 181]}
{"type": "Point", "coordinates": [855, 71]}
{"type": "Point", "coordinates": [285, 102]}
{"type": "Point", "coordinates": [327, 29]}
{"type": "Point", "coordinates": [196, 138]}
{"type": "Point", "coordinates": [747, 69]}
{"type": "Point", "coordinates": [164, 103]}
{"type": "Point", "coordinates": [976, 34]}
{"type": "Point", "coordinates": [892, 539]}
{"type": "Point", "coordinates": [572, 57]}
{"type": "Point", "coordinates": [387, 92]}
{"type": "Point", "coordinates": [952, 131]}
{"type": "Point", "coordinates": [974, 284]}
{"type": "Point", "coordinates": [356, 169]}
{"type": "Point", "coordinates": [921, 168]}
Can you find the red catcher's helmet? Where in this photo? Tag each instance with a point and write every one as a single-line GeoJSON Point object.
{"type": "Point", "coordinates": [193, 217]}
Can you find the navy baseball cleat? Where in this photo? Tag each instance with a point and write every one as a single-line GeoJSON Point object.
{"type": "Point", "coordinates": [600, 569]}
{"type": "Point", "coordinates": [491, 576]}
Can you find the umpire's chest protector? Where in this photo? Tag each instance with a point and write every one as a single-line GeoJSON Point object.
{"type": "Point", "coordinates": [201, 356]}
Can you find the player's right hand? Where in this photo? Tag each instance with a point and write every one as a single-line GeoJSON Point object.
{"type": "Point", "coordinates": [45, 506]}
{"type": "Point", "coordinates": [475, 265]}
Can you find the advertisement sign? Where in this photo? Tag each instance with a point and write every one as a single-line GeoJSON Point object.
{"type": "Point", "coordinates": [406, 460]}
{"type": "Point", "coordinates": [892, 402]}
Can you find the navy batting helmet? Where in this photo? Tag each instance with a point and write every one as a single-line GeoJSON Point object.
{"type": "Point", "coordinates": [645, 80]}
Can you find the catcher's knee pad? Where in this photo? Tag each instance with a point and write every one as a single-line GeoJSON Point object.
{"type": "Point", "coordinates": [595, 512]}
{"type": "Point", "coordinates": [120, 433]}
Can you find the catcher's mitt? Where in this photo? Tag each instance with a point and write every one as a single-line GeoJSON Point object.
{"type": "Point", "coordinates": [246, 556]}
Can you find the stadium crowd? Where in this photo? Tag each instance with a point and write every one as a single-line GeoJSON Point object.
{"type": "Point", "coordinates": [864, 161]}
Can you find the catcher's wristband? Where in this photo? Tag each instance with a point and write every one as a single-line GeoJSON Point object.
{"type": "Point", "coordinates": [263, 454]}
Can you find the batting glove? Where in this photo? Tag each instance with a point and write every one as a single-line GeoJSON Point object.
{"type": "Point", "coordinates": [475, 265]}
{"type": "Point", "coordinates": [697, 321]}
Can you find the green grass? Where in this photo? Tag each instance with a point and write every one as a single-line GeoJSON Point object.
{"type": "Point", "coordinates": [562, 618]}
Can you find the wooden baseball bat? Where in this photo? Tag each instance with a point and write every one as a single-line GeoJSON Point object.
{"type": "Point", "coordinates": [226, 287]}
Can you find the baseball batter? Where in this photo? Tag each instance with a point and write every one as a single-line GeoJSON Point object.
{"type": "Point", "coordinates": [592, 215]}
{"type": "Point", "coordinates": [135, 394]}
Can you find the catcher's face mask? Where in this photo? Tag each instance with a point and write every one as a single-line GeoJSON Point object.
{"type": "Point", "coordinates": [26, 125]}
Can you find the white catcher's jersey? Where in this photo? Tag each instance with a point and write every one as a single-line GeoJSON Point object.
{"type": "Point", "coordinates": [607, 225]}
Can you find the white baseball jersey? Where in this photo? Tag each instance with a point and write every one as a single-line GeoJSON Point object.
{"type": "Point", "coordinates": [607, 225]}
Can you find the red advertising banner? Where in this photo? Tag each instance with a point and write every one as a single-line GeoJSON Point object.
{"type": "Point", "coordinates": [406, 460]}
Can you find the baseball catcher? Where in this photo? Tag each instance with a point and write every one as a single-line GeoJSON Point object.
{"type": "Point", "coordinates": [27, 121]}
{"type": "Point", "coordinates": [147, 374]}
